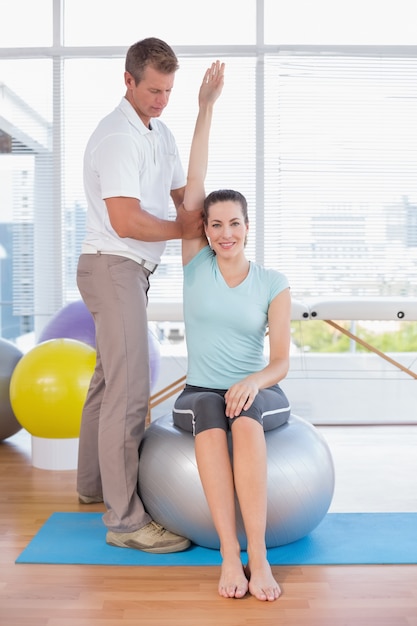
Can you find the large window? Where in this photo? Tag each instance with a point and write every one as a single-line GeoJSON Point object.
{"type": "Point", "coordinates": [317, 127]}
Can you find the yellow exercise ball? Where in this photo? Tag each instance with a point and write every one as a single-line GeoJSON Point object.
{"type": "Point", "coordinates": [49, 385]}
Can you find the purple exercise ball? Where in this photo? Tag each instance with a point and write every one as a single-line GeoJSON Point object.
{"type": "Point", "coordinates": [73, 321]}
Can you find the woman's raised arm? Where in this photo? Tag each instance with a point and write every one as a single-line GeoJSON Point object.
{"type": "Point", "coordinates": [194, 195]}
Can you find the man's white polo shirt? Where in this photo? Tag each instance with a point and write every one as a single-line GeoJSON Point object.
{"type": "Point", "coordinates": [125, 158]}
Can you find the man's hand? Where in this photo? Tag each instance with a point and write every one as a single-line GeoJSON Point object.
{"type": "Point", "coordinates": [191, 223]}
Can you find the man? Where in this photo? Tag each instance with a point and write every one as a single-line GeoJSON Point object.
{"type": "Point", "coordinates": [131, 168]}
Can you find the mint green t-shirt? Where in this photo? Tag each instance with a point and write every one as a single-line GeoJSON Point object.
{"type": "Point", "coordinates": [225, 327]}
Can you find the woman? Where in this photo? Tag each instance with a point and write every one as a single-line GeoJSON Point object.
{"type": "Point", "coordinates": [229, 302]}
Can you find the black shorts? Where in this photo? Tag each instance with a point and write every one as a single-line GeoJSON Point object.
{"type": "Point", "coordinates": [198, 408]}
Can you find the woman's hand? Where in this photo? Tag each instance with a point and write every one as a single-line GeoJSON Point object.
{"type": "Point", "coordinates": [212, 84]}
{"type": "Point", "coordinates": [240, 396]}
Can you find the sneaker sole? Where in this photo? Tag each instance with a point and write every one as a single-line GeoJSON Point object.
{"type": "Point", "coordinates": [178, 547]}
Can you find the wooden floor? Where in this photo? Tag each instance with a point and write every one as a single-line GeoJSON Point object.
{"type": "Point", "coordinates": [376, 470]}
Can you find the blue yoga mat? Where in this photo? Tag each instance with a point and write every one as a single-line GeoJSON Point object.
{"type": "Point", "coordinates": [340, 539]}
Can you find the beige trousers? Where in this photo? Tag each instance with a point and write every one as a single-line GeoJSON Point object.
{"type": "Point", "coordinates": [115, 290]}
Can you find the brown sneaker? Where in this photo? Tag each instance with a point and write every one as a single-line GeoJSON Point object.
{"type": "Point", "coordinates": [151, 538]}
{"type": "Point", "coordinates": [89, 499]}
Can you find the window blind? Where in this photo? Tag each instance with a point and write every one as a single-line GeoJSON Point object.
{"type": "Point", "coordinates": [341, 174]}
{"type": "Point", "coordinates": [320, 137]}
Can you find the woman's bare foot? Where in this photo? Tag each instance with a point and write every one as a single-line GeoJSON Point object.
{"type": "Point", "coordinates": [262, 584]}
{"type": "Point", "coordinates": [233, 582]}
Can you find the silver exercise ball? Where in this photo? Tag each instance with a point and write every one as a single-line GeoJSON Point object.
{"type": "Point", "coordinates": [10, 355]}
{"type": "Point", "coordinates": [300, 483]}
